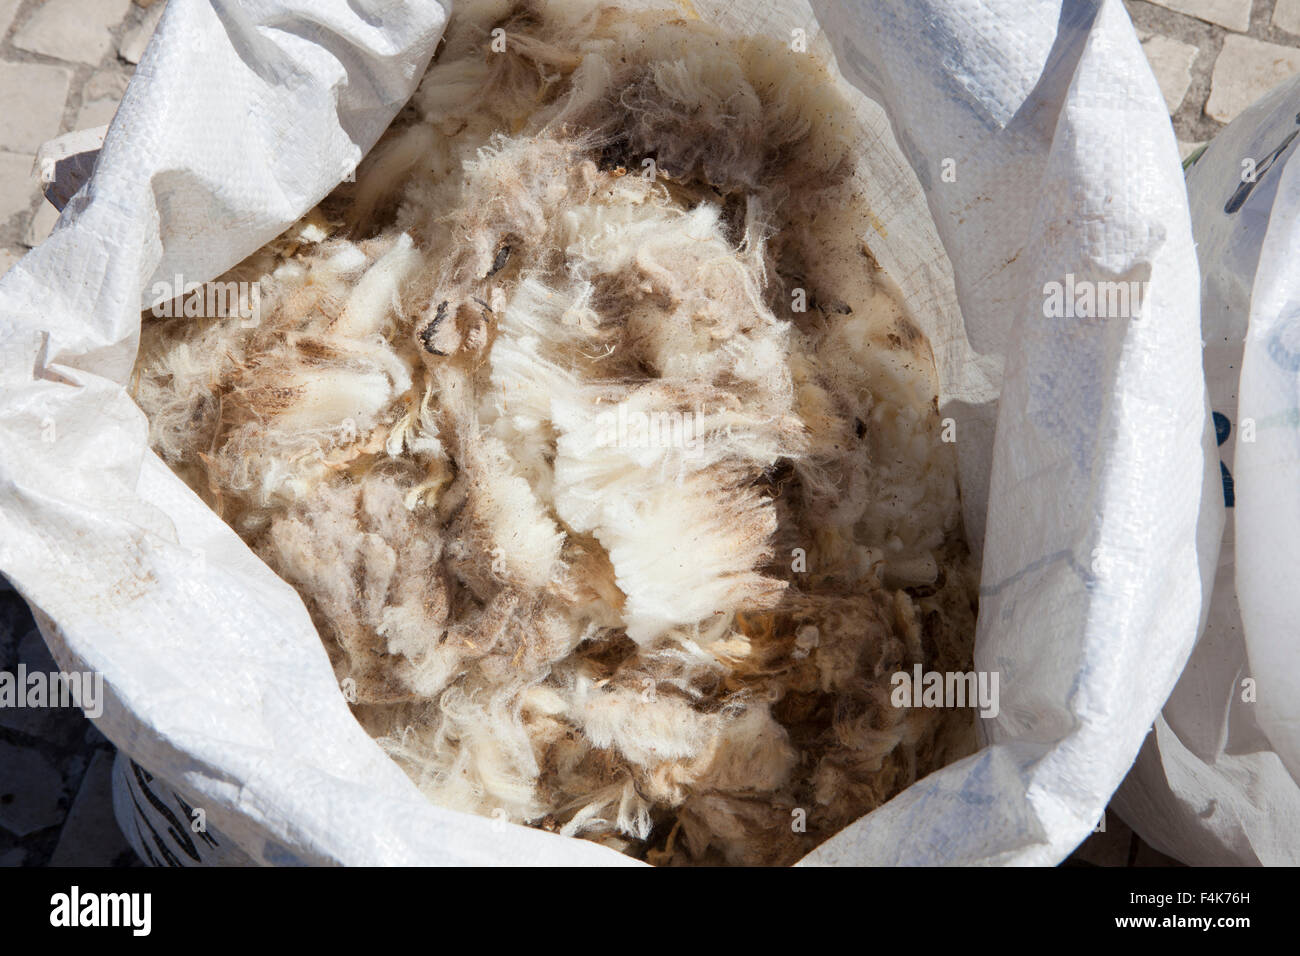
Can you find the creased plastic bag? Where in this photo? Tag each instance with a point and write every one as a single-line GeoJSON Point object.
{"type": "Point", "coordinates": [1084, 445]}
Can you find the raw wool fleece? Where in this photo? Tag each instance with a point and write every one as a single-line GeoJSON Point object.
{"type": "Point", "coordinates": [603, 454]}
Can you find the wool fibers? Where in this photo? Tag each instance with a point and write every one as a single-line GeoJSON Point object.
{"type": "Point", "coordinates": [605, 457]}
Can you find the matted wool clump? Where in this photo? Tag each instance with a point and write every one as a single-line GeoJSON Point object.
{"type": "Point", "coordinates": [605, 457]}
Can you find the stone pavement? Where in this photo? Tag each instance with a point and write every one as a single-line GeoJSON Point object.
{"type": "Point", "coordinates": [64, 65]}
{"type": "Point", "coordinates": [55, 797]}
{"type": "Point", "coordinates": [1214, 58]}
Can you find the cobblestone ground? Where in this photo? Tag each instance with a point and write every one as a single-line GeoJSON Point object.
{"type": "Point", "coordinates": [64, 65]}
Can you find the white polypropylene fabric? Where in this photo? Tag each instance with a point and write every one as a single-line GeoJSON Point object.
{"type": "Point", "coordinates": [1084, 444]}
{"type": "Point", "coordinates": [1215, 783]}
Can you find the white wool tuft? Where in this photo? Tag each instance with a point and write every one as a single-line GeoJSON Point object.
{"type": "Point", "coordinates": [376, 295]}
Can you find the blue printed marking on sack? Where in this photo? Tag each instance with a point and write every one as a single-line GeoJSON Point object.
{"type": "Point", "coordinates": [1222, 429]}
{"type": "Point", "coordinates": [1282, 346]}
